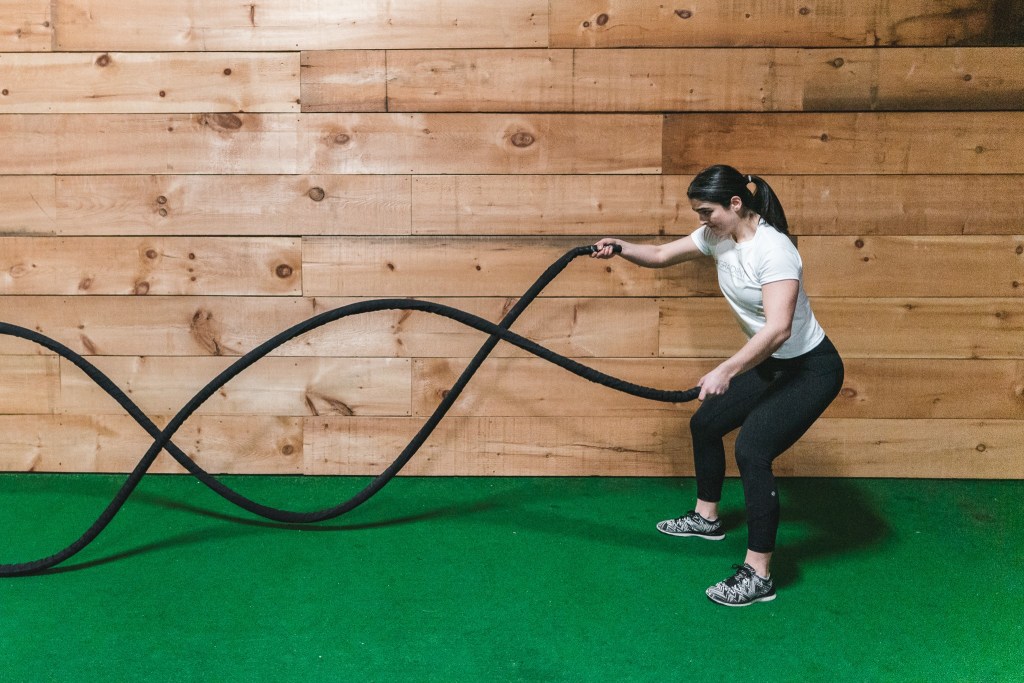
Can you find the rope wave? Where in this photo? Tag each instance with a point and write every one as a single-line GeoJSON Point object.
{"type": "Point", "coordinates": [162, 437]}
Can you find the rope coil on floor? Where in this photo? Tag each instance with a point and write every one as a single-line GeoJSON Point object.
{"type": "Point", "coordinates": [162, 438]}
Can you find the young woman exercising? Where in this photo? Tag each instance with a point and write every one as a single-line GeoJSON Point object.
{"type": "Point", "coordinates": [773, 388]}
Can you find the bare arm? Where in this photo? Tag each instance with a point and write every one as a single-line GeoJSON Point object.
{"type": "Point", "coordinates": [650, 255]}
{"type": "Point", "coordinates": [779, 306]}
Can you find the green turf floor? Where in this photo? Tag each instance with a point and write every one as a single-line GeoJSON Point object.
{"type": "Point", "coordinates": [510, 579]}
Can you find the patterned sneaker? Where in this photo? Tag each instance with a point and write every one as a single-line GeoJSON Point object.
{"type": "Point", "coordinates": [692, 524]}
{"type": "Point", "coordinates": [742, 589]}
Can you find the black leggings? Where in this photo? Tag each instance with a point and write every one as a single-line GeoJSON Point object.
{"type": "Point", "coordinates": [774, 403]}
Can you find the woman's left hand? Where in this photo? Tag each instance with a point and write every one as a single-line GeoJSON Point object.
{"type": "Point", "coordinates": [715, 383]}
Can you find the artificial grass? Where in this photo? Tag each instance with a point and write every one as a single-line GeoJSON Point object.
{"type": "Point", "coordinates": [510, 579]}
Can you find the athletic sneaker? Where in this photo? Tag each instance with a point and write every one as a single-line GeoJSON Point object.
{"type": "Point", "coordinates": [692, 524]}
{"type": "Point", "coordinates": [742, 589]}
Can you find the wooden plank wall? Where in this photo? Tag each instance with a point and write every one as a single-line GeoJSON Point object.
{"type": "Point", "coordinates": [180, 181]}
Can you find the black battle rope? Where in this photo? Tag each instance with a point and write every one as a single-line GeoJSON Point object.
{"type": "Point", "coordinates": [162, 438]}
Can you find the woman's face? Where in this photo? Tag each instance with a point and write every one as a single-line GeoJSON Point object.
{"type": "Point", "coordinates": [721, 220]}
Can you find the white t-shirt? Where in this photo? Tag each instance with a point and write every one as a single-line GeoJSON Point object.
{"type": "Point", "coordinates": [745, 267]}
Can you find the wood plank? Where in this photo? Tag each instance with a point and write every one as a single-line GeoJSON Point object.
{"type": "Point", "coordinates": [173, 143]}
{"type": "Point", "coordinates": [914, 327]}
{"type": "Point", "coordinates": [28, 204]}
{"type": "Point", "coordinates": [482, 267]}
{"type": "Point", "coordinates": [556, 204]}
{"type": "Point", "coordinates": [872, 143]}
{"type": "Point", "coordinates": [688, 80]}
{"type": "Point", "coordinates": [231, 326]}
{"type": "Point", "coordinates": [149, 82]}
{"type": "Point", "coordinates": [874, 388]}
{"type": "Point", "coordinates": [480, 143]}
{"type": "Point", "coordinates": [500, 446]}
{"type": "Point", "coordinates": [285, 25]}
{"type": "Point", "coordinates": [912, 79]}
{"type": "Point", "coordinates": [480, 80]}
{"type": "Point", "coordinates": [247, 444]}
{"type": "Point", "coordinates": [344, 81]}
{"type": "Point", "coordinates": [152, 265]}
{"type": "Point", "coordinates": [914, 266]}
{"type": "Point", "coordinates": [275, 386]}
{"type": "Point", "coordinates": [625, 23]}
{"type": "Point", "coordinates": [953, 449]}
{"type": "Point", "coordinates": [25, 26]}
{"type": "Point", "coordinates": [31, 384]}
{"type": "Point", "coordinates": [580, 446]}
{"type": "Point", "coordinates": [231, 205]}
{"type": "Point", "coordinates": [657, 205]}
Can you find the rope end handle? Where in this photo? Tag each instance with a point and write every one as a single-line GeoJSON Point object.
{"type": "Point", "coordinates": [616, 248]}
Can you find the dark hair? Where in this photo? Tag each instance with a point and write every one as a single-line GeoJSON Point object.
{"type": "Point", "coordinates": [720, 183]}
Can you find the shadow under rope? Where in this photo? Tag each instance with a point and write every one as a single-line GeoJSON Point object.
{"type": "Point", "coordinates": [162, 438]}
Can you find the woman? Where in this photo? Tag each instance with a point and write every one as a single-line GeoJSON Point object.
{"type": "Point", "coordinates": [773, 388]}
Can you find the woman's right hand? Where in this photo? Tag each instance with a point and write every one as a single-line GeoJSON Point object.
{"type": "Point", "coordinates": [603, 248]}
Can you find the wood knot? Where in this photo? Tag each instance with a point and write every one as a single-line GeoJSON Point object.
{"type": "Point", "coordinates": [837, 62]}
{"type": "Point", "coordinates": [227, 72]}
{"type": "Point", "coordinates": [859, 244]}
{"type": "Point", "coordinates": [221, 121]}
{"type": "Point", "coordinates": [163, 93]}
{"type": "Point", "coordinates": [980, 448]}
{"type": "Point", "coordinates": [967, 77]}
{"type": "Point", "coordinates": [191, 256]}
{"type": "Point", "coordinates": [1019, 249]}
{"type": "Point", "coordinates": [602, 19]}
{"type": "Point", "coordinates": [390, 266]}
{"type": "Point", "coordinates": [151, 253]}
{"type": "Point", "coordinates": [85, 284]}
{"type": "Point", "coordinates": [1015, 284]}
{"type": "Point", "coordinates": [684, 13]}
{"type": "Point", "coordinates": [163, 212]}
{"type": "Point", "coordinates": [103, 60]}
{"type": "Point", "coordinates": [341, 139]}
{"type": "Point", "coordinates": [5, 92]}
{"type": "Point", "coordinates": [848, 392]}
{"type": "Point", "coordinates": [284, 271]}
{"type": "Point", "coordinates": [522, 139]}
{"type": "Point", "coordinates": [161, 199]}
{"type": "Point", "coordinates": [141, 288]}
{"type": "Point", "coordinates": [287, 449]}
{"type": "Point", "coordinates": [805, 11]}
{"type": "Point", "coordinates": [979, 149]}
{"type": "Point", "coordinates": [317, 194]}
{"type": "Point", "coordinates": [825, 137]}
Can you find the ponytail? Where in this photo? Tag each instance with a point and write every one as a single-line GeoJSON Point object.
{"type": "Point", "coordinates": [720, 183]}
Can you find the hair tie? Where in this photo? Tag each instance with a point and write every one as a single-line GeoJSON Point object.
{"type": "Point", "coordinates": [749, 179]}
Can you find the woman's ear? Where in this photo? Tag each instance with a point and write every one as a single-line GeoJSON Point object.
{"type": "Point", "coordinates": [736, 204]}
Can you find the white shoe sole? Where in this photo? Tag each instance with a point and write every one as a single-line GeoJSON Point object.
{"type": "Point", "coordinates": [689, 534]}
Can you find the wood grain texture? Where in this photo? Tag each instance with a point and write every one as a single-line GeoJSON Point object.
{"type": "Point", "coordinates": [874, 388]}
{"type": "Point", "coordinates": [627, 23]}
{"type": "Point", "coordinates": [862, 328]}
{"type": "Point", "coordinates": [248, 444]}
{"type": "Point", "coordinates": [480, 80]}
{"type": "Point", "coordinates": [153, 265]}
{"type": "Point", "coordinates": [28, 204]}
{"type": "Point", "coordinates": [231, 205]}
{"type": "Point", "coordinates": [657, 205]}
{"type": "Point", "coordinates": [480, 143]}
{"type": "Point", "coordinates": [914, 266]}
{"type": "Point", "coordinates": [276, 386]}
{"type": "Point", "coordinates": [871, 143]}
{"type": "Point", "coordinates": [173, 143]}
{"type": "Point", "coordinates": [653, 446]}
{"type": "Point", "coordinates": [481, 267]}
{"type": "Point", "coordinates": [149, 82]}
{"type": "Point", "coordinates": [31, 384]}
{"type": "Point", "coordinates": [275, 25]}
{"type": "Point", "coordinates": [344, 81]}
{"type": "Point", "coordinates": [25, 26]}
{"type": "Point", "coordinates": [232, 326]}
